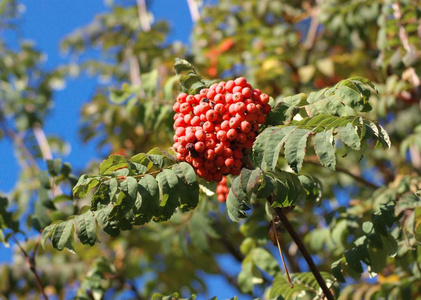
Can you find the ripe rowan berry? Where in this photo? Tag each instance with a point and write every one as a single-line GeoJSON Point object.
{"type": "Point", "coordinates": [245, 127]}
{"type": "Point", "coordinates": [240, 81]}
{"type": "Point", "coordinates": [208, 126]}
{"type": "Point", "coordinates": [229, 162]}
{"type": "Point", "coordinates": [232, 134]}
{"type": "Point", "coordinates": [181, 97]}
{"type": "Point", "coordinates": [199, 147]}
{"type": "Point", "coordinates": [247, 92]}
{"type": "Point", "coordinates": [237, 97]}
{"type": "Point", "coordinates": [229, 85]}
{"type": "Point", "coordinates": [264, 98]}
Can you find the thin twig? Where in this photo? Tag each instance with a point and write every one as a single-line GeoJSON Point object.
{"type": "Point", "coordinates": [42, 142]}
{"type": "Point", "coordinates": [296, 238]}
{"type": "Point", "coordinates": [46, 153]}
{"type": "Point", "coordinates": [281, 253]}
{"type": "Point", "coordinates": [30, 261]}
{"type": "Point", "coordinates": [347, 172]}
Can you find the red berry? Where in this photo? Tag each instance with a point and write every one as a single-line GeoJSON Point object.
{"type": "Point", "coordinates": [264, 98]}
{"type": "Point", "coordinates": [221, 135]}
{"type": "Point", "coordinates": [182, 150]}
{"type": "Point", "coordinates": [199, 147]}
{"type": "Point", "coordinates": [229, 85]}
{"type": "Point", "coordinates": [211, 94]}
{"type": "Point", "coordinates": [237, 97]}
{"type": "Point", "coordinates": [251, 117]}
{"type": "Point", "coordinates": [220, 89]}
{"type": "Point", "coordinates": [237, 89]}
{"type": "Point", "coordinates": [190, 137]}
{"type": "Point", "coordinates": [217, 176]}
{"type": "Point", "coordinates": [237, 153]}
{"type": "Point", "coordinates": [219, 98]}
{"type": "Point", "coordinates": [210, 144]}
{"type": "Point", "coordinates": [176, 107]}
{"type": "Point", "coordinates": [240, 117]}
{"type": "Point", "coordinates": [208, 126]}
{"type": "Point", "coordinates": [211, 115]}
{"type": "Point", "coordinates": [195, 121]}
{"type": "Point", "coordinates": [261, 119]}
{"type": "Point", "coordinates": [240, 107]}
{"type": "Point", "coordinates": [232, 134]}
{"type": "Point", "coordinates": [227, 152]}
{"type": "Point", "coordinates": [197, 162]}
{"type": "Point", "coordinates": [251, 135]}
{"type": "Point", "coordinates": [210, 154]}
{"type": "Point", "coordinates": [191, 99]}
{"type": "Point", "coordinates": [245, 127]}
{"type": "Point", "coordinates": [181, 97]}
{"type": "Point", "coordinates": [208, 164]}
{"type": "Point", "coordinates": [240, 81]}
{"type": "Point", "coordinates": [228, 98]}
{"type": "Point", "coordinates": [180, 122]}
{"type": "Point", "coordinates": [225, 125]}
{"type": "Point", "coordinates": [200, 135]}
{"type": "Point", "coordinates": [202, 171]}
{"type": "Point", "coordinates": [229, 162]}
{"type": "Point", "coordinates": [241, 138]}
{"type": "Point", "coordinates": [180, 131]}
{"type": "Point", "coordinates": [219, 149]}
{"type": "Point", "coordinates": [247, 92]}
{"type": "Point", "coordinates": [251, 108]}
{"type": "Point", "coordinates": [234, 123]}
{"type": "Point", "coordinates": [219, 108]}
{"type": "Point", "coordinates": [187, 119]}
{"type": "Point", "coordinates": [185, 108]}
{"type": "Point", "coordinates": [266, 109]}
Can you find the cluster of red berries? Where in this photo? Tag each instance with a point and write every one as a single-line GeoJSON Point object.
{"type": "Point", "coordinates": [215, 128]}
{"type": "Point", "coordinates": [222, 190]}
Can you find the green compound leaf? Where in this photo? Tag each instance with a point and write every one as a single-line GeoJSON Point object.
{"type": "Point", "coordinates": [147, 200]}
{"type": "Point", "coordinates": [325, 149]}
{"type": "Point", "coordinates": [349, 136]}
{"type": "Point", "coordinates": [305, 286]}
{"type": "Point", "coordinates": [86, 228]}
{"type": "Point", "coordinates": [236, 201]}
{"type": "Point", "coordinates": [293, 139]}
{"type": "Point", "coordinates": [168, 185]}
{"type": "Point", "coordinates": [295, 147]}
{"type": "Point", "coordinates": [112, 163]}
{"type": "Point", "coordinates": [188, 185]}
{"type": "Point", "coordinates": [62, 235]}
{"type": "Point", "coordinates": [84, 185]}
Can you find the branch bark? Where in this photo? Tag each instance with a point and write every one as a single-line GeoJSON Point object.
{"type": "Point", "coordinates": [30, 261]}
{"type": "Point", "coordinates": [296, 238]}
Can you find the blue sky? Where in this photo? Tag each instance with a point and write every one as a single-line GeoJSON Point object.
{"type": "Point", "coordinates": [46, 22]}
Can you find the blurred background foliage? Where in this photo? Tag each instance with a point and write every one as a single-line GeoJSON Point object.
{"type": "Point", "coordinates": [281, 47]}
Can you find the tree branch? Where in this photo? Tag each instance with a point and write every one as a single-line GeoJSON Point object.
{"type": "Point", "coordinates": [194, 10]}
{"type": "Point", "coordinates": [143, 15]}
{"type": "Point", "coordinates": [30, 261]}
{"type": "Point", "coordinates": [296, 238]}
{"type": "Point", "coordinates": [357, 178]}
